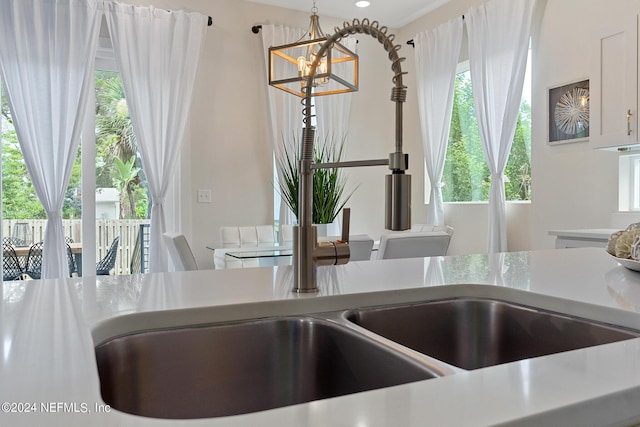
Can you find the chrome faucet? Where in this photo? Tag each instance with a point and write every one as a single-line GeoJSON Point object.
{"type": "Point", "coordinates": [307, 252]}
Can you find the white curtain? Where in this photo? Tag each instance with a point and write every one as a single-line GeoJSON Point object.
{"type": "Point", "coordinates": [157, 53]}
{"type": "Point", "coordinates": [47, 53]}
{"type": "Point", "coordinates": [498, 45]}
{"type": "Point", "coordinates": [332, 111]}
{"type": "Point", "coordinates": [332, 116]}
{"type": "Point", "coordinates": [436, 52]}
{"type": "Point", "coordinates": [285, 109]}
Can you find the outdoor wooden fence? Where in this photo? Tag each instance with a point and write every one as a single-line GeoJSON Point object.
{"type": "Point", "coordinates": [106, 231]}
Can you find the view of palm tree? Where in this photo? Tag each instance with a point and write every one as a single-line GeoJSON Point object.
{"type": "Point", "coordinates": [117, 160]}
{"type": "Point", "coordinates": [115, 141]}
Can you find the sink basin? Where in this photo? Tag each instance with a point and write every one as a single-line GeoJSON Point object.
{"type": "Point", "coordinates": [475, 333]}
{"type": "Point", "coordinates": [237, 368]}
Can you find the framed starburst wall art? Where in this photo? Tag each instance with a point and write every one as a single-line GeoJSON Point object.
{"type": "Point", "coordinates": [569, 113]}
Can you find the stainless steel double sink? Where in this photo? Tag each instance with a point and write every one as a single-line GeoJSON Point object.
{"type": "Point", "coordinates": [248, 366]}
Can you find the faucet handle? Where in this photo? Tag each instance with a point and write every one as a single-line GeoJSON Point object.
{"type": "Point", "coordinates": [334, 253]}
{"type": "Point", "coordinates": [346, 218]}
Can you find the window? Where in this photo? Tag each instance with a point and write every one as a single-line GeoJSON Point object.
{"type": "Point", "coordinates": [19, 200]}
{"type": "Point", "coordinates": [107, 195]}
{"type": "Point", "coordinates": [118, 163]}
{"type": "Point", "coordinates": [121, 197]}
{"type": "Point", "coordinates": [466, 175]}
{"type": "Point", "coordinates": [629, 183]}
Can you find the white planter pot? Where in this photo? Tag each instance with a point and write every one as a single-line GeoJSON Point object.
{"type": "Point", "coordinates": [325, 230]}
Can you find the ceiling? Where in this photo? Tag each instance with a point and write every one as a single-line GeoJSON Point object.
{"type": "Point", "coordinates": [392, 13]}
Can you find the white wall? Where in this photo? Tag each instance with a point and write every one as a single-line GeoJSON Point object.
{"type": "Point", "coordinates": [577, 185]}
{"type": "Point", "coordinates": [469, 220]}
{"type": "Point", "coordinates": [573, 185]}
{"type": "Point", "coordinates": [229, 148]}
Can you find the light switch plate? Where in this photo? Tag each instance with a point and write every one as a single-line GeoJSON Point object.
{"type": "Point", "coordinates": [204, 196]}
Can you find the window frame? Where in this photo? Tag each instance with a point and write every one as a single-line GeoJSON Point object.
{"type": "Point", "coordinates": [464, 66]}
{"type": "Point", "coordinates": [178, 200]}
{"type": "Point", "coordinates": [629, 183]}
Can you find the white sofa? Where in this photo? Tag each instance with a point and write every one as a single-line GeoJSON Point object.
{"type": "Point", "coordinates": [252, 235]}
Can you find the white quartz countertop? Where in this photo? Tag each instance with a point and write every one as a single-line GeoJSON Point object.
{"type": "Point", "coordinates": [48, 373]}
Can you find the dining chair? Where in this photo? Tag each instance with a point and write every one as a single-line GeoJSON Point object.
{"type": "Point", "coordinates": [410, 244]}
{"type": "Point", "coordinates": [108, 262]}
{"type": "Point", "coordinates": [12, 268]}
{"type": "Point", "coordinates": [360, 246]}
{"type": "Point", "coordinates": [180, 252]}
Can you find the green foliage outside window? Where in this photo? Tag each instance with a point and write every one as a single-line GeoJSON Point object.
{"type": "Point", "coordinates": [115, 141]}
{"type": "Point", "coordinates": [466, 175]}
{"type": "Point", "coordinates": [19, 200]}
{"type": "Point", "coordinates": [117, 162]}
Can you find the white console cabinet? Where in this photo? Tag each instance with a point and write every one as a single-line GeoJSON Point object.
{"type": "Point", "coordinates": [585, 238]}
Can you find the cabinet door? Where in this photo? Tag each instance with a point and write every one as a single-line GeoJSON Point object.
{"type": "Point", "coordinates": [614, 86]}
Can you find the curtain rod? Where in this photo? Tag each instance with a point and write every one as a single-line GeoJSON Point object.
{"type": "Point", "coordinates": [412, 43]}
{"type": "Point", "coordinates": [209, 20]}
{"type": "Point", "coordinates": [256, 29]}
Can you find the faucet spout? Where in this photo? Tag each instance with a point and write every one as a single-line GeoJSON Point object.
{"type": "Point", "coordinates": [307, 252]}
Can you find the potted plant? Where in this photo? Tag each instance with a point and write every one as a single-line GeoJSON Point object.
{"type": "Point", "coordinates": [329, 193]}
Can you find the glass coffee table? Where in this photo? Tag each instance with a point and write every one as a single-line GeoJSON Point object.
{"type": "Point", "coordinates": [267, 256]}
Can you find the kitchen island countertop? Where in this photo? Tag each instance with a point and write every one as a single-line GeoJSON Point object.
{"type": "Point", "coordinates": [48, 373]}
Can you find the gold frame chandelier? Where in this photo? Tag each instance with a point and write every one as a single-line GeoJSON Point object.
{"type": "Point", "coordinates": [290, 64]}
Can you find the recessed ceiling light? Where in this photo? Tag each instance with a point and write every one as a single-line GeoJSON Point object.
{"type": "Point", "coordinates": [363, 3]}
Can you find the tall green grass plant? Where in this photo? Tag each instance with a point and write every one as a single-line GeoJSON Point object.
{"type": "Point", "coordinates": [329, 185]}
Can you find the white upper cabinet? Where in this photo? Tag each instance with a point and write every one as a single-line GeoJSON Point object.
{"type": "Point", "coordinates": [614, 86]}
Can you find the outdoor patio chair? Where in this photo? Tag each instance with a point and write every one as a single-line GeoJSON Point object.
{"type": "Point", "coordinates": [73, 268]}
{"type": "Point", "coordinates": [106, 264]}
{"type": "Point", "coordinates": [71, 261]}
{"type": "Point", "coordinates": [33, 265]}
{"type": "Point", "coordinates": [11, 266]}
